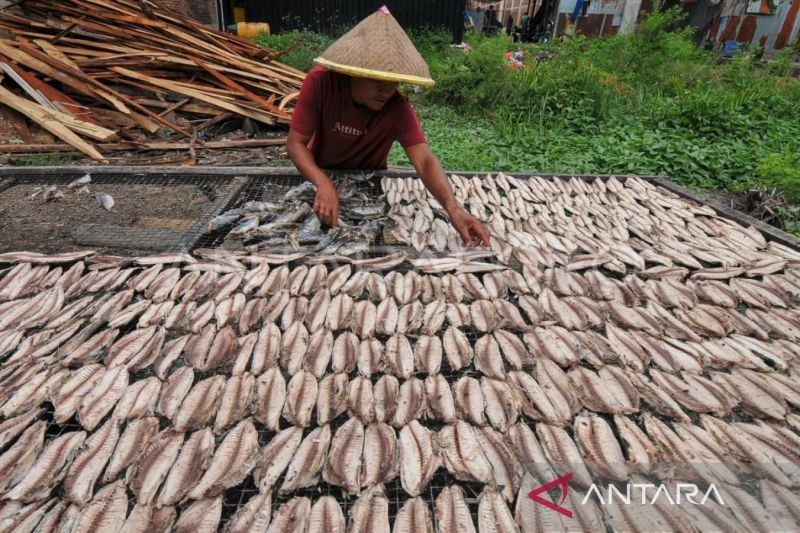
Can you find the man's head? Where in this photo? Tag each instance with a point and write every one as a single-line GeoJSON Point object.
{"type": "Point", "coordinates": [372, 93]}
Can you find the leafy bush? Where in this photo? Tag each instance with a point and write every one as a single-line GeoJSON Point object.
{"type": "Point", "coordinates": [782, 171]}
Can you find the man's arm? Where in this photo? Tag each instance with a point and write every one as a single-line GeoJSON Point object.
{"type": "Point", "coordinates": [326, 203]}
{"type": "Point", "coordinates": [435, 180]}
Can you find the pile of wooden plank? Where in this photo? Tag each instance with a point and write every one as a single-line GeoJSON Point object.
{"type": "Point", "coordinates": [119, 71]}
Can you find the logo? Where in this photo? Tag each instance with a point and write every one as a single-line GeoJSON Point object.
{"type": "Point", "coordinates": [683, 492]}
{"type": "Point", "coordinates": [562, 482]}
{"type": "Point", "coordinates": [348, 130]}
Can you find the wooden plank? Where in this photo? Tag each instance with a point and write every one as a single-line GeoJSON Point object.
{"type": "Point", "coordinates": [121, 120]}
{"type": "Point", "coordinates": [175, 107]}
{"type": "Point", "coordinates": [104, 59]}
{"type": "Point", "coordinates": [95, 38]}
{"type": "Point", "coordinates": [62, 33]}
{"type": "Point", "coordinates": [195, 108]}
{"type": "Point", "coordinates": [123, 146]}
{"type": "Point", "coordinates": [232, 85]}
{"type": "Point", "coordinates": [75, 124]}
{"type": "Point", "coordinates": [199, 95]}
{"type": "Point", "coordinates": [219, 118]}
{"type": "Point", "coordinates": [51, 69]}
{"type": "Point", "coordinates": [17, 119]}
{"type": "Point", "coordinates": [44, 117]}
{"type": "Point", "coordinates": [100, 88]}
{"type": "Point", "coordinates": [48, 48]}
{"type": "Point", "coordinates": [22, 58]}
{"type": "Point", "coordinates": [50, 93]}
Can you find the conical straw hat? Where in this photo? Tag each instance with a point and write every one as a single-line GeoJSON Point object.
{"type": "Point", "coordinates": [377, 48]}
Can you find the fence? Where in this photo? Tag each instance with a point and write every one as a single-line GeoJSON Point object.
{"type": "Point", "coordinates": [335, 16]}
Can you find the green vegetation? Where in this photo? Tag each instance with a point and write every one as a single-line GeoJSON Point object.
{"type": "Point", "coordinates": [645, 103]}
{"type": "Point", "coordinates": [305, 46]}
{"type": "Point", "coordinates": [51, 159]}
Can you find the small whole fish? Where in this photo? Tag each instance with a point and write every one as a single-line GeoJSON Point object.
{"type": "Point", "coordinates": [220, 221]}
{"type": "Point", "coordinates": [295, 193]}
{"type": "Point", "coordinates": [105, 200]}
{"type": "Point", "coordinates": [83, 180]}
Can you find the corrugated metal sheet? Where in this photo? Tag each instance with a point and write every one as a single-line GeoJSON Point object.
{"type": "Point", "coordinates": [747, 22]}
{"type": "Point", "coordinates": [332, 16]}
{"type": "Point", "coordinates": [603, 17]}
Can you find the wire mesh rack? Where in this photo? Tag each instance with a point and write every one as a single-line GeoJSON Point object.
{"type": "Point", "coordinates": [152, 212]}
{"type": "Point", "coordinates": [228, 195]}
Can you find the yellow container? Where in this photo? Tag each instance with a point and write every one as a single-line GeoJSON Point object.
{"type": "Point", "coordinates": [239, 14]}
{"type": "Point", "coordinates": [251, 30]}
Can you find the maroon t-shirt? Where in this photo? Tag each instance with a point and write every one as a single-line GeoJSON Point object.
{"type": "Point", "coordinates": [348, 136]}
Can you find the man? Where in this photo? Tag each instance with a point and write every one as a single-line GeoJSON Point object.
{"type": "Point", "coordinates": [349, 113]}
{"type": "Point", "coordinates": [491, 23]}
{"type": "Point", "coordinates": [478, 20]}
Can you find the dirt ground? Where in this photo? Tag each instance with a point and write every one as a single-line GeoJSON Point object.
{"type": "Point", "coordinates": [37, 225]}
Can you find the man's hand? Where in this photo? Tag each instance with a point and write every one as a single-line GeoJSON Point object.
{"type": "Point", "coordinates": [326, 204]}
{"type": "Point", "coordinates": [470, 228]}
{"type": "Point", "coordinates": [435, 180]}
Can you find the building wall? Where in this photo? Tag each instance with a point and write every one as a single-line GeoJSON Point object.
{"type": "Point", "coordinates": [750, 22]}
{"type": "Point", "coordinates": [204, 11]}
{"type": "Point", "coordinates": [746, 21]}
{"type": "Point", "coordinates": [603, 17]}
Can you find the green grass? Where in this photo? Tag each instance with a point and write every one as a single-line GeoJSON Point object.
{"type": "Point", "coordinates": [645, 103]}
{"type": "Point", "coordinates": [51, 159]}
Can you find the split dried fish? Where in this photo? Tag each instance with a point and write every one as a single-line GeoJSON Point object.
{"type": "Point", "coordinates": [145, 476]}
{"type": "Point", "coordinates": [308, 460]}
{"type": "Point", "coordinates": [90, 462]}
{"type": "Point", "coordinates": [343, 467]}
{"type": "Point", "coordinates": [452, 513]}
{"type": "Point", "coordinates": [292, 516]}
{"type": "Point", "coordinates": [189, 467]}
{"type": "Point", "coordinates": [371, 511]}
{"type": "Point", "coordinates": [326, 517]}
{"type": "Point", "coordinates": [275, 456]}
{"type": "Point", "coordinates": [414, 516]}
{"type": "Point", "coordinates": [49, 469]}
{"type": "Point", "coordinates": [232, 461]}
{"type": "Point", "coordinates": [418, 458]}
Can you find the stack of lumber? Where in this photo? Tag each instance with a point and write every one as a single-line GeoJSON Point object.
{"type": "Point", "coordinates": [121, 70]}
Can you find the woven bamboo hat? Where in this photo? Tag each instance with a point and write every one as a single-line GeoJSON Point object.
{"type": "Point", "coordinates": [377, 48]}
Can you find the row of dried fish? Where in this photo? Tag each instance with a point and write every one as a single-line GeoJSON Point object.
{"type": "Point", "coordinates": [552, 397]}
{"type": "Point", "coordinates": [586, 224]}
{"type": "Point", "coordinates": [589, 301]}
{"type": "Point", "coordinates": [451, 514]}
{"type": "Point", "coordinates": [191, 299]}
{"type": "Point", "coordinates": [163, 469]}
{"type": "Point", "coordinates": [633, 338]}
{"type": "Point", "coordinates": [547, 393]}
